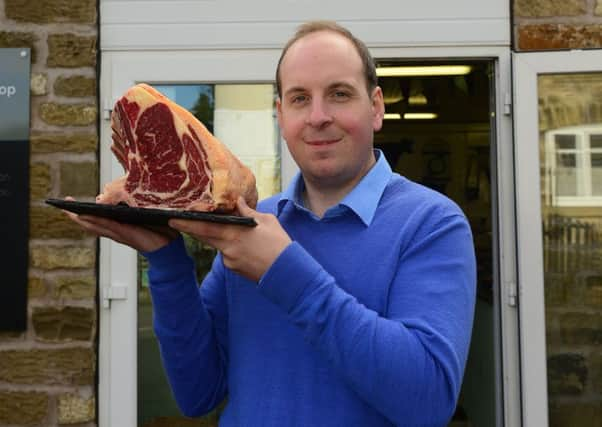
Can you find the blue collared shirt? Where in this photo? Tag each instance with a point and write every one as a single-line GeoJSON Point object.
{"type": "Point", "coordinates": [362, 199]}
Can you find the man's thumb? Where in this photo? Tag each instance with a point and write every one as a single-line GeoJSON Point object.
{"type": "Point", "coordinates": [243, 208]}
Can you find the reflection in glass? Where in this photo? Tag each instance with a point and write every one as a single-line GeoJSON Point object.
{"type": "Point", "coordinates": [198, 99]}
{"type": "Point", "coordinates": [572, 165]}
{"type": "Point", "coordinates": [595, 144]}
{"type": "Point", "coordinates": [242, 117]}
{"type": "Point", "coordinates": [570, 124]}
{"type": "Point", "coordinates": [566, 177]}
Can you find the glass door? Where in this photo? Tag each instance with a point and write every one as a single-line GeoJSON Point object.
{"type": "Point", "coordinates": [234, 101]}
{"type": "Point", "coordinates": [558, 140]}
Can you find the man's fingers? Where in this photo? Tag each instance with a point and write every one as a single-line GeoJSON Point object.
{"type": "Point", "coordinates": [140, 238]}
{"type": "Point", "coordinates": [164, 230]}
{"type": "Point", "coordinates": [243, 208]}
{"type": "Point", "coordinates": [216, 235]}
{"type": "Point", "coordinates": [185, 225]}
{"type": "Point", "coordinates": [201, 228]}
{"type": "Point", "coordinates": [92, 227]}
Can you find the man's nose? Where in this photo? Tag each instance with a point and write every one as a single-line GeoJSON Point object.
{"type": "Point", "coordinates": [319, 114]}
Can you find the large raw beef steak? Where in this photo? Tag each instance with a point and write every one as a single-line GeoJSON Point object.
{"type": "Point", "coordinates": [171, 160]}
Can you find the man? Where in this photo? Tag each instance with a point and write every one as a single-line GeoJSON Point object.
{"type": "Point", "coordinates": [351, 302]}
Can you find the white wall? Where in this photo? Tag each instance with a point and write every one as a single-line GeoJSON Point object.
{"type": "Point", "coordinates": [226, 24]}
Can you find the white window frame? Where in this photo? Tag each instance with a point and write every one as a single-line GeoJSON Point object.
{"type": "Point", "coordinates": [527, 67]}
{"type": "Point", "coordinates": [118, 330]}
{"type": "Point", "coordinates": [582, 151]}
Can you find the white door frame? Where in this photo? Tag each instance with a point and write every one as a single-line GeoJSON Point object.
{"type": "Point", "coordinates": [117, 393]}
{"type": "Point", "coordinates": [527, 67]}
{"type": "Point", "coordinates": [119, 70]}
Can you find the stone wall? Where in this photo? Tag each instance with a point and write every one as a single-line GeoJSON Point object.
{"type": "Point", "coordinates": [47, 374]}
{"type": "Point", "coordinates": [557, 24]}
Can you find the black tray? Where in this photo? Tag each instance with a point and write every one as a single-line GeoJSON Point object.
{"type": "Point", "coordinates": [145, 216]}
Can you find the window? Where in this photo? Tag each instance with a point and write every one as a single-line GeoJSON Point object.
{"type": "Point", "coordinates": [573, 174]}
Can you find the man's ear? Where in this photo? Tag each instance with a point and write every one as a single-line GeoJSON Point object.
{"type": "Point", "coordinates": [378, 108]}
{"type": "Point", "coordinates": [279, 111]}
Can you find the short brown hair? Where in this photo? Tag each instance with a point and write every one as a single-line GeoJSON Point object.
{"type": "Point", "coordinates": [361, 48]}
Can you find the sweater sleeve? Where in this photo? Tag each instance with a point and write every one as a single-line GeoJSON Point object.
{"type": "Point", "coordinates": [413, 353]}
{"type": "Point", "coordinates": [190, 325]}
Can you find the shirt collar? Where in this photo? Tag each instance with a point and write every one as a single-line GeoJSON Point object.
{"type": "Point", "coordinates": [362, 199]}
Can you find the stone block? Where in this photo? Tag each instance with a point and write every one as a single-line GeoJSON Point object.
{"type": "Point", "coordinates": [58, 324]}
{"type": "Point", "coordinates": [51, 257]}
{"type": "Point", "coordinates": [549, 8]}
{"type": "Point", "coordinates": [51, 223]}
{"type": "Point", "coordinates": [75, 287]}
{"type": "Point", "coordinates": [79, 179]}
{"type": "Point", "coordinates": [74, 409]}
{"type": "Point", "coordinates": [595, 360]}
{"type": "Point", "coordinates": [55, 143]}
{"type": "Point", "coordinates": [553, 334]}
{"type": "Point", "coordinates": [75, 86]}
{"type": "Point", "coordinates": [38, 84]}
{"type": "Point", "coordinates": [11, 335]}
{"type": "Point", "coordinates": [71, 51]}
{"type": "Point", "coordinates": [23, 407]}
{"type": "Point", "coordinates": [593, 291]}
{"type": "Point", "coordinates": [51, 11]}
{"type": "Point", "coordinates": [19, 39]}
{"type": "Point", "coordinates": [63, 366]}
{"type": "Point", "coordinates": [563, 414]}
{"type": "Point", "coordinates": [68, 114]}
{"type": "Point", "coordinates": [555, 289]}
{"type": "Point", "coordinates": [559, 36]}
{"type": "Point", "coordinates": [36, 287]}
{"type": "Point", "coordinates": [567, 374]}
{"type": "Point", "coordinates": [580, 328]}
{"type": "Point", "coordinates": [39, 181]}
{"type": "Point", "coordinates": [598, 10]}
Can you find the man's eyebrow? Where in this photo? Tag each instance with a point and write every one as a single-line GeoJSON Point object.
{"type": "Point", "coordinates": [343, 85]}
{"type": "Point", "coordinates": [334, 85]}
{"type": "Point", "coordinates": [294, 89]}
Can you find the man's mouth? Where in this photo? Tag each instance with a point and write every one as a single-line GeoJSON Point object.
{"type": "Point", "coordinates": [318, 142]}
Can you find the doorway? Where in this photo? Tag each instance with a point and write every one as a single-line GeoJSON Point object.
{"type": "Point", "coordinates": [126, 370]}
{"type": "Point", "coordinates": [438, 131]}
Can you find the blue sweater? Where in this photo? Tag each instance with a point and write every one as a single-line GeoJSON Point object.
{"type": "Point", "coordinates": [364, 320]}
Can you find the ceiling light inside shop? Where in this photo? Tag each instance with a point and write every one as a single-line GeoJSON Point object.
{"type": "Point", "coordinates": [417, 96]}
{"type": "Point", "coordinates": [419, 116]}
{"type": "Point", "coordinates": [392, 116]}
{"type": "Point", "coordinates": [424, 70]}
{"type": "Point", "coordinates": [391, 91]}
{"type": "Point", "coordinates": [418, 99]}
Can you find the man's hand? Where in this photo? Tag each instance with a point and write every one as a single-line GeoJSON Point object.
{"type": "Point", "coordinates": [249, 251]}
{"type": "Point", "coordinates": [140, 238]}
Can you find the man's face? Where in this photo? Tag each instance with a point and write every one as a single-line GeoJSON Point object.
{"type": "Point", "coordinates": [325, 112]}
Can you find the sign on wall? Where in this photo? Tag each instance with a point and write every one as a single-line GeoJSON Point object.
{"type": "Point", "coordinates": [14, 186]}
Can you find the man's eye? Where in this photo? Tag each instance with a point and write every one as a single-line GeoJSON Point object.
{"type": "Point", "coordinates": [298, 99]}
{"type": "Point", "coordinates": [339, 94]}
